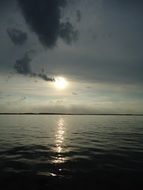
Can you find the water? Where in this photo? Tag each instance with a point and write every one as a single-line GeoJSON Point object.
{"type": "Point", "coordinates": [53, 152]}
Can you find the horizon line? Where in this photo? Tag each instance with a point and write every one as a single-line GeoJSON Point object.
{"type": "Point", "coordinates": [58, 113]}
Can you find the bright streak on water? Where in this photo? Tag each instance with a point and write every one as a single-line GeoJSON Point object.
{"type": "Point", "coordinates": [59, 140]}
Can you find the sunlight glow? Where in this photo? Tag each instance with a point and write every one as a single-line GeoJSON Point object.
{"type": "Point", "coordinates": [60, 83]}
{"type": "Point", "coordinates": [59, 141]}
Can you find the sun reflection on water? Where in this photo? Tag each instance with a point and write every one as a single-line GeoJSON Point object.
{"type": "Point", "coordinates": [59, 141]}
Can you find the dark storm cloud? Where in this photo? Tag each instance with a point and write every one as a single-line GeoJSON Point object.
{"type": "Point", "coordinates": [17, 36]}
{"type": "Point", "coordinates": [23, 66]}
{"type": "Point", "coordinates": [68, 33]}
{"type": "Point", "coordinates": [44, 17]}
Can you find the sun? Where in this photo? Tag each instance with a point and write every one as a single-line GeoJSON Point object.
{"type": "Point", "coordinates": [61, 83]}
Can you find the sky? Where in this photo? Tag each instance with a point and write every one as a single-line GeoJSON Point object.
{"type": "Point", "coordinates": [94, 47]}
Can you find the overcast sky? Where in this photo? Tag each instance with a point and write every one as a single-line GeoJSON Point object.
{"type": "Point", "coordinates": [96, 45]}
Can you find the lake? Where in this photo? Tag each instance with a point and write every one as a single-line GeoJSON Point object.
{"type": "Point", "coordinates": [71, 152]}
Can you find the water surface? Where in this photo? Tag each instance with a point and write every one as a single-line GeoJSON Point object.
{"type": "Point", "coordinates": [53, 152]}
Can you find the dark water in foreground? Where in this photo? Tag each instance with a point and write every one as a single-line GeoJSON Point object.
{"type": "Point", "coordinates": [71, 152]}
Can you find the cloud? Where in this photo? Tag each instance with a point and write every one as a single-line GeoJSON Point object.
{"type": "Point", "coordinates": [22, 66]}
{"type": "Point", "coordinates": [43, 76]}
{"type": "Point", "coordinates": [74, 93]}
{"type": "Point", "coordinates": [68, 33]}
{"type": "Point", "coordinates": [44, 18]}
{"type": "Point", "coordinates": [59, 102]}
{"type": "Point", "coordinates": [78, 15]}
{"type": "Point", "coordinates": [17, 36]}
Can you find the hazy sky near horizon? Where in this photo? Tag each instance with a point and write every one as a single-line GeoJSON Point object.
{"type": "Point", "coordinates": [96, 45]}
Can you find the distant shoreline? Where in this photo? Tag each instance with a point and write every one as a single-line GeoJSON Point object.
{"type": "Point", "coordinates": [106, 114]}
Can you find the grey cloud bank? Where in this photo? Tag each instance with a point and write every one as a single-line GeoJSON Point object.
{"type": "Point", "coordinates": [86, 41]}
{"type": "Point", "coordinates": [109, 45]}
